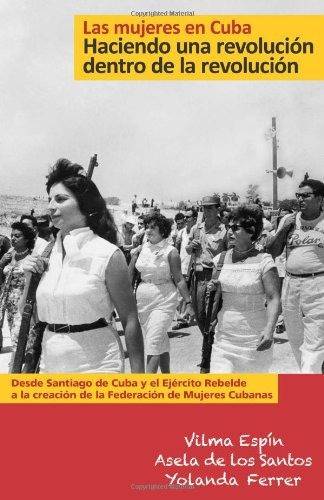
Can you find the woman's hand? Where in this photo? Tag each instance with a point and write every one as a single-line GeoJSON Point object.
{"type": "Point", "coordinates": [6, 259]}
{"type": "Point", "coordinates": [265, 341]}
{"type": "Point", "coordinates": [212, 285]}
{"type": "Point", "coordinates": [136, 250]}
{"type": "Point", "coordinates": [180, 282]}
{"type": "Point", "coordinates": [190, 312]}
{"type": "Point", "coordinates": [35, 264]}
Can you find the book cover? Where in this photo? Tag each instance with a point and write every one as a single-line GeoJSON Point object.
{"type": "Point", "coordinates": [180, 100]}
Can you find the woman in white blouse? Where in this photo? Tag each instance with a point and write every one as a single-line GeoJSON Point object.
{"type": "Point", "coordinates": [160, 267]}
{"type": "Point", "coordinates": [86, 278]}
{"type": "Point", "coordinates": [251, 299]}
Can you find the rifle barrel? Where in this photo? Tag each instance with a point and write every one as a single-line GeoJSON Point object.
{"type": "Point", "coordinates": [92, 164]}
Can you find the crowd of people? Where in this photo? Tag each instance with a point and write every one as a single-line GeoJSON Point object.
{"type": "Point", "coordinates": [156, 271]}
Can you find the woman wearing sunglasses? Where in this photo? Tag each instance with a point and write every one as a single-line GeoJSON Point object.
{"type": "Point", "coordinates": [250, 292]}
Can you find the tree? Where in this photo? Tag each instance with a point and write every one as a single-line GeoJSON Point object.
{"type": "Point", "coordinates": [225, 197]}
{"type": "Point", "coordinates": [181, 205]}
{"type": "Point", "coordinates": [234, 196]}
{"type": "Point", "coordinates": [112, 200]}
{"type": "Point", "coordinates": [252, 193]}
{"type": "Point", "coordinates": [288, 204]}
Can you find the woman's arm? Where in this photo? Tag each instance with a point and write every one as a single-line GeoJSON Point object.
{"type": "Point", "coordinates": [271, 285]}
{"type": "Point", "coordinates": [128, 247]}
{"type": "Point", "coordinates": [175, 268]}
{"type": "Point", "coordinates": [120, 290]}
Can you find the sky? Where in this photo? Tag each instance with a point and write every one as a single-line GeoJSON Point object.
{"type": "Point", "coordinates": [167, 140]}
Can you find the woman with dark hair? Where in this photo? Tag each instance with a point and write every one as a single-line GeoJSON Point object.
{"type": "Point", "coordinates": [251, 300]}
{"type": "Point", "coordinates": [160, 267]}
{"type": "Point", "coordinates": [85, 280]}
{"type": "Point", "coordinates": [13, 278]}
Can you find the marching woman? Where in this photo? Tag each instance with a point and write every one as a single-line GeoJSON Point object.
{"type": "Point", "coordinates": [13, 278]}
{"type": "Point", "coordinates": [85, 280]}
{"type": "Point", "coordinates": [251, 299]}
{"type": "Point", "coordinates": [160, 267]}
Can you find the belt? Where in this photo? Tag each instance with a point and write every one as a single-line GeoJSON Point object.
{"type": "Point", "coordinates": [57, 328]}
{"type": "Point", "coordinates": [307, 275]}
{"type": "Point", "coordinates": [156, 282]}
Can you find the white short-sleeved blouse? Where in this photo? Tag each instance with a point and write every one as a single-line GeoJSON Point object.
{"type": "Point", "coordinates": [73, 291]}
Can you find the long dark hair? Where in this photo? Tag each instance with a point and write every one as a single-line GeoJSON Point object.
{"type": "Point", "coordinates": [91, 203]}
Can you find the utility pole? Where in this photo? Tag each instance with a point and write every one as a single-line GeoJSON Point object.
{"type": "Point", "coordinates": [280, 172]}
{"type": "Point", "coordinates": [274, 164]}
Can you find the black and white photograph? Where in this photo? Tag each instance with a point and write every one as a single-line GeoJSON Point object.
{"type": "Point", "coordinates": [156, 226]}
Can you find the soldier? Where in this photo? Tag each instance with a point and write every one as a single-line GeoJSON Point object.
{"type": "Point", "coordinates": [206, 240]}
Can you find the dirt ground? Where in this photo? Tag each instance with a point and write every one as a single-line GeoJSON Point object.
{"type": "Point", "coordinates": [185, 352]}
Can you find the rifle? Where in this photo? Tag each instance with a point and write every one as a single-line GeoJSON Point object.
{"type": "Point", "coordinates": [214, 299]}
{"type": "Point", "coordinates": [27, 313]}
{"type": "Point", "coordinates": [214, 304]}
{"type": "Point", "coordinates": [193, 259]}
{"type": "Point", "coordinates": [92, 164]}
